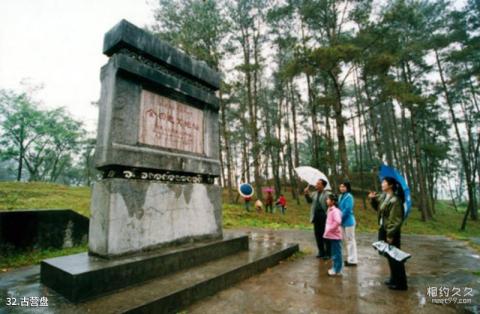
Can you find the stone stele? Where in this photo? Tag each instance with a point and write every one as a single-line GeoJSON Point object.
{"type": "Point", "coordinates": [157, 146]}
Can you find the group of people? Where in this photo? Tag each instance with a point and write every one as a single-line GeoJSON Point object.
{"type": "Point", "coordinates": [281, 203]}
{"type": "Point", "coordinates": [332, 218]}
{"type": "Point", "coordinates": [333, 221]}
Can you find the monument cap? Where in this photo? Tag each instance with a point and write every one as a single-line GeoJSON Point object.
{"type": "Point", "coordinates": [126, 35]}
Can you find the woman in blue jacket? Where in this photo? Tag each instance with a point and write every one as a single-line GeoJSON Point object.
{"type": "Point", "coordinates": [346, 203]}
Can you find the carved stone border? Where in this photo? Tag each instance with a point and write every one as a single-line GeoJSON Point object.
{"type": "Point", "coordinates": [128, 173]}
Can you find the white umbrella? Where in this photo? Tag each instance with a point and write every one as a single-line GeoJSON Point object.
{"type": "Point", "coordinates": [312, 175]}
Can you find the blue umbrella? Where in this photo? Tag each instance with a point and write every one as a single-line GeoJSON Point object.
{"type": "Point", "coordinates": [386, 171]}
{"type": "Point", "coordinates": [245, 189]}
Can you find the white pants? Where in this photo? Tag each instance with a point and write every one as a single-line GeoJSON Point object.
{"type": "Point", "coordinates": [351, 244]}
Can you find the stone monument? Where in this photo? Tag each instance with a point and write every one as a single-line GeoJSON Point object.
{"type": "Point", "coordinates": [157, 146]}
{"type": "Point", "coordinates": [156, 210]}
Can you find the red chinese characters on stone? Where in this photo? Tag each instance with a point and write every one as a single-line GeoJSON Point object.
{"type": "Point", "coordinates": [168, 123]}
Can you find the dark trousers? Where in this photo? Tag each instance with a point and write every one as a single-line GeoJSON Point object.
{"type": "Point", "coordinates": [398, 276]}
{"type": "Point", "coordinates": [319, 228]}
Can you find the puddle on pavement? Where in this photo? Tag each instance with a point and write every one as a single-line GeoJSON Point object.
{"type": "Point", "coordinates": [421, 298]}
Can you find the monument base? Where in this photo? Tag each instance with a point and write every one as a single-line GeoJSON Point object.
{"type": "Point", "coordinates": [177, 290]}
{"type": "Point", "coordinates": [81, 276]}
{"type": "Point", "coordinates": [130, 216]}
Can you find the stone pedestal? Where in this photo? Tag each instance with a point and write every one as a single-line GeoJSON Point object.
{"type": "Point", "coordinates": [81, 276]}
{"type": "Point", "coordinates": [129, 216]}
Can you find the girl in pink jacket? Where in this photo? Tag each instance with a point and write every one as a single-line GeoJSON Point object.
{"type": "Point", "coordinates": [333, 232]}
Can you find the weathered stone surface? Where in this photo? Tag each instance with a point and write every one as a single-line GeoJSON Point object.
{"type": "Point", "coordinates": [127, 35]}
{"type": "Point", "coordinates": [119, 118]}
{"type": "Point", "coordinates": [128, 216]}
{"type": "Point", "coordinates": [149, 74]}
{"type": "Point", "coordinates": [158, 113]}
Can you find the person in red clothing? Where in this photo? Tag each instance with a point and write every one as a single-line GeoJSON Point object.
{"type": "Point", "coordinates": [282, 203]}
{"type": "Point", "coordinates": [247, 200]}
{"type": "Point", "coordinates": [269, 203]}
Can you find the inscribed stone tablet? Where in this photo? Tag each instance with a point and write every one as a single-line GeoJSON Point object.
{"type": "Point", "coordinates": [168, 123]}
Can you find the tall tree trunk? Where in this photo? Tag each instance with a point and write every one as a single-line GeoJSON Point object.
{"type": "Point", "coordinates": [340, 121]}
{"type": "Point", "coordinates": [226, 141]}
{"type": "Point", "coordinates": [466, 165]}
{"type": "Point", "coordinates": [330, 149]}
{"type": "Point", "coordinates": [408, 160]}
{"type": "Point", "coordinates": [293, 181]}
{"type": "Point", "coordinates": [20, 164]}
{"type": "Point", "coordinates": [312, 106]}
{"type": "Point", "coordinates": [256, 146]}
{"type": "Point", "coordinates": [245, 160]}
{"type": "Point", "coordinates": [278, 145]}
{"type": "Point", "coordinates": [222, 166]}
{"type": "Point", "coordinates": [373, 119]}
{"type": "Point", "coordinates": [420, 174]}
{"type": "Point", "coordinates": [21, 154]}
{"type": "Point", "coordinates": [367, 123]}
{"type": "Point", "coordinates": [252, 125]}
{"type": "Point", "coordinates": [294, 121]}
{"type": "Point", "coordinates": [359, 114]}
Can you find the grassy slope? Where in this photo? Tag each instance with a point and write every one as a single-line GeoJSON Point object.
{"type": "Point", "coordinates": [446, 221]}
{"type": "Point", "coordinates": [43, 195]}
{"type": "Point", "coordinates": [15, 195]}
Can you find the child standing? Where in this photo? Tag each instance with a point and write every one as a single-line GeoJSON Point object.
{"type": "Point", "coordinates": [333, 232]}
{"type": "Point", "coordinates": [282, 203]}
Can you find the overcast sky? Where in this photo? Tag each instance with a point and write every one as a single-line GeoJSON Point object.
{"type": "Point", "coordinates": [58, 43]}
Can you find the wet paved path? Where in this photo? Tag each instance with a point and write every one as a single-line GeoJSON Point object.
{"type": "Point", "coordinates": [302, 285]}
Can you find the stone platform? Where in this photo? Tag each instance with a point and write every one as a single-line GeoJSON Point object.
{"type": "Point", "coordinates": [81, 276]}
{"type": "Point", "coordinates": [165, 294]}
{"type": "Point", "coordinates": [42, 228]}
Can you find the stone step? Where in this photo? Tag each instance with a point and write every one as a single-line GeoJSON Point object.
{"type": "Point", "coordinates": [80, 277]}
{"type": "Point", "coordinates": [175, 292]}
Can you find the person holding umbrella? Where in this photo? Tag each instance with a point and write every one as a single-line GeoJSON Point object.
{"type": "Point", "coordinates": [246, 191]}
{"type": "Point", "coordinates": [390, 209]}
{"type": "Point", "coordinates": [318, 216]}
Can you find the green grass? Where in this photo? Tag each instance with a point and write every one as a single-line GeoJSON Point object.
{"type": "Point", "coordinates": [14, 195]}
{"type": "Point", "coordinates": [296, 217]}
{"type": "Point", "coordinates": [14, 259]}
{"type": "Point", "coordinates": [446, 221]}
{"type": "Point", "coordinates": [19, 195]}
